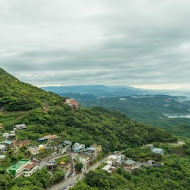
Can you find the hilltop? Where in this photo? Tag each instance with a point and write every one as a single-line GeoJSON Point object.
{"type": "Point", "coordinates": [98, 90]}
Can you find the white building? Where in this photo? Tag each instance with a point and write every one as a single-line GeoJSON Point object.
{"type": "Point", "coordinates": [3, 148]}
{"type": "Point", "coordinates": [106, 168]}
{"type": "Point", "coordinates": [20, 126]}
{"type": "Point", "coordinates": [12, 134]}
{"type": "Point", "coordinates": [158, 150]}
{"type": "Point", "coordinates": [6, 135]}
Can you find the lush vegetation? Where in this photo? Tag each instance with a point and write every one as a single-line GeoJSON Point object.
{"type": "Point", "coordinates": [112, 130]}
{"type": "Point", "coordinates": [174, 175]}
{"type": "Point", "coordinates": [16, 95]}
{"type": "Point", "coordinates": [38, 181]}
{"type": "Point", "coordinates": [23, 103]}
{"type": "Point", "coordinates": [148, 109]}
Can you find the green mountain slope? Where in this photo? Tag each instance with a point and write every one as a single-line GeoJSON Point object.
{"type": "Point", "coordinates": [16, 95]}
{"type": "Point", "coordinates": [111, 129]}
{"type": "Point", "coordinates": [146, 109]}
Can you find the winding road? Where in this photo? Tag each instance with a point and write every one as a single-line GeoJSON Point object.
{"type": "Point", "coordinates": [73, 179]}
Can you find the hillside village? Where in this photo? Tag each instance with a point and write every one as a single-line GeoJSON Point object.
{"type": "Point", "coordinates": [51, 139]}
{"type": "Point", "coordinates": [71, 157]}
{"type": "Point", "coordinates": [51, 145]}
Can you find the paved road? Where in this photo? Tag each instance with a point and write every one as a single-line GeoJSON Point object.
{"type": "Point", "coordinates": [44, 161]}
{"type": "Point", "coordinates": [73, 179]}
{"type": "Point", "coordinates": [72, 156]}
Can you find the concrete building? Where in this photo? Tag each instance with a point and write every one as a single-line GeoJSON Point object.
{"type": "Point", "coordinates": [7, 143]}
{"type": "Point", "coordinates": [6, 135]}
{"type": "Point", "coordinates": [3, 148]}
{"type": "Point", "coordinates": [77, 147]}
{"type": "Point", "coordinates": [106, 168]}
{"type": "Point", "coordinates": [129, 163]}
{"type": "Point", "coordinates": [12, 134]}
{"type": "Point", "coordinates": [20, 144]}
{"type": "Point", "coordinates": [97, 147]}
{"type": "Point", "coordinates": [20, 126]}
{"type": "Point", "coordinates": [47, 138]}
{"type": "Point", "coordinates": [158, 150]}
{"type": "Point", "coordinates": [67, 143]}
{"type": "Point", "coordinates": [29, 169]}
{"type": "Point", "coordinates": [23, 168]}
{"type": "Point", "coordinates": [33, 150]}
{"type": "Point", "coordinates": [91, 152]}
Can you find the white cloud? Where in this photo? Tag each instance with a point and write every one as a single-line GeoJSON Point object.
{"type": "Point", "coordinates": [136, 43]}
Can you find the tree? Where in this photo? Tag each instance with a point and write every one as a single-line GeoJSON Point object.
{"type": "Point", "coordinates": [79, 166]}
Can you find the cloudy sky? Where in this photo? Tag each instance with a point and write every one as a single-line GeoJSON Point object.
{"type": "Point", "coordinates": [141, 43]}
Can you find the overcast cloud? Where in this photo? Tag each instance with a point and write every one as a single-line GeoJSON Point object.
{"type": "Point", "coordinates": [141, 43]}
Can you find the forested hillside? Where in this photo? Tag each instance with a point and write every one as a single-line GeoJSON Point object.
{"type": "Point", "coordinates": [146, 109]}
{"type": "Point", "coordinates": [24, 103]}
{"type": "Point", "coordinates": [108, 128]}
{"type": "Point", "coordinates": [16, 95]}
{"type": "Point", "coordinates": [173, 175]}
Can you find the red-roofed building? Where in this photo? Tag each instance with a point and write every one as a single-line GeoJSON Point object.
{"type": "Point", "coordinates": [73, 103]}
{"type": "Point", "coordinates": [29, 169]}
{"type": "Point", "coordinates": [20, 144]}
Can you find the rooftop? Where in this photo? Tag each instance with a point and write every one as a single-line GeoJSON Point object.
{"type": "Point", "coordinates": [158, 150]}
{"type": "Point", "coordinates": [30, 165]}
{"type": "Point", "coordinates": [67, 142]}
{"type": "Point", "coordinates": [6, 142]}
{"type": "Point", "coordinates": [20, 125]}
{"type": "Point", "coordinates": [112, 157]}
{"type": "Point", "coordinates": [2, 146]}
{"type": "Point", "coordinates": [129, 162]}
{"type": "Point", "coordinates": [23, 142]}
{"type": "Point", "coordinates": [18, 165]}
{"type": "Point", "coordinates": [43, 139]}
{"type": "Point", "coordinates": [91, 149]}
{"type": "Point", "coordinates": [106, 168]}
{"type": "Point", "coordinates": [2, 157]}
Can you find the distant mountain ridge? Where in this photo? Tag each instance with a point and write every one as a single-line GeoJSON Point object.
{"type": "Point", "coordinates": [98, 90]}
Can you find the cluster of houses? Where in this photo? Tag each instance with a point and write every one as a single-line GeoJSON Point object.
{"type": "Point", "coordinates": [81, 154]}
{"type": "Point", "coordinates": [85, 155]}
{"type": "Point", "coordinates": [12, 134]}
{"type": "Point", "coordinates": [10, 140]}
{"type": "Point", "coordinates": [12, 144]}
{"type": "Point", "coordinates": [118, 159]}
{"type": "Point", "coordinates": [27, 167]}
{"type": "Point", "coordinates": [112, 162]}
{"type": "Point", "coordinates": [130, 165]}
{"type": "Point", "coordinates": [4, 146]}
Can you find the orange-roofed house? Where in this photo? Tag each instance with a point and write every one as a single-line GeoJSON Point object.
{"type": "Point", "coordinates": [20, 144]}
{"type": "Point", "coordinates": [73, 103]}
{"type": "Point", "coordinates": [51, 137]}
